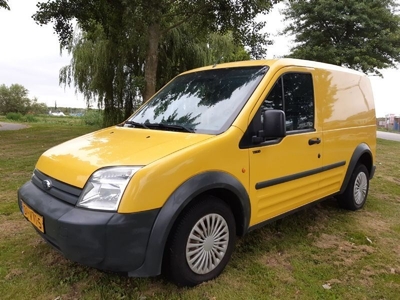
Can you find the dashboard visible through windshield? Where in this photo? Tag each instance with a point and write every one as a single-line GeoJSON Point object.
{"type": "Point", "coordinates": [202, 102]}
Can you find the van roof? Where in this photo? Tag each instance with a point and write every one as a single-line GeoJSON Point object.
{"type": "Point", "coordinates": [279, 63]}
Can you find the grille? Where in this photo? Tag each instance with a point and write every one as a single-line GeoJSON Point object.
{"type": "Point", "coordinates": [59, 190]}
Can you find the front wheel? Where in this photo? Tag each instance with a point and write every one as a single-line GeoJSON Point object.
{"type": "Point", "coordinates": [201, 243]}
{"type": "Point", "coordinates": [355, 195]}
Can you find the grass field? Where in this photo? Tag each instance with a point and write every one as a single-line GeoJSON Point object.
{"type": "Point", "coordinates": [320, 253]}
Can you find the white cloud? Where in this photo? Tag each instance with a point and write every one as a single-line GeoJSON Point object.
{"type": "Point", "coordinates": [30, 55]}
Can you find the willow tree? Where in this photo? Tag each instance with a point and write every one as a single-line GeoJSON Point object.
{"type": "Point", "coordinates": [4, 4]}
{"type": "Point", "coordinates": [182, 50]}
{"type": "Point", "coordinates": [112, 73]}
{"type": "Point", "coordinates": [108, 72]}
{"type": "Point", "coordinates": [152, 20]}
{"type": "Point", "coordinates": [363, 35]}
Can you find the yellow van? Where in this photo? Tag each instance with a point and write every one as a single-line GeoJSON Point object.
{"type": "Point", "coordinates": [216, 153]}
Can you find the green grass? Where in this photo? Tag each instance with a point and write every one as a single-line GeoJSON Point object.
{"type": "Point", "coordinates": [387, 130]}
{"type": "Point", "coordinates": [356, 253]}
{"type": "Point", "coordinates": [53, 120]}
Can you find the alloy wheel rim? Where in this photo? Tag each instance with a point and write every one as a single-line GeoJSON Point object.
{"type": "Point", "coordinates": [207, 243]}
{"type": "Point", "coordinates": [360, 188]}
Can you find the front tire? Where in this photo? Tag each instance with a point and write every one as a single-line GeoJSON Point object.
{"type": "Point", "coordinates": [201, 243]}
{"type": "Point", "coordinates": [355, 195]}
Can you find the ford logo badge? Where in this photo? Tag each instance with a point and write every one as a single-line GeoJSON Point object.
{"type": "Point", "coordinates": [47, 184]}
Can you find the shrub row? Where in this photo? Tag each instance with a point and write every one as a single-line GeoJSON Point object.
{"type": "Point", "coordinates": [19, 117]}
{"type": "Point", "coordinates": [91, 118]}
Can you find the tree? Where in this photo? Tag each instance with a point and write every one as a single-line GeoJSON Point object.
{"type": "Point", "coordinates": [37, 107]}
{"type": "Point", "coordinates": [108, 72]}
{"type": "Point", "coordinates": [4, 4]}
{"type": "Point", "coordinates": [182, 50]}
{"type": "Point", "coordinates": [150, 21]}
{"type": "Point", "coordinates": [15, 99]}
{"type": "Point", "coordinates": [113, 75]}
{"type": "Point", "coordinates": [363, 35]}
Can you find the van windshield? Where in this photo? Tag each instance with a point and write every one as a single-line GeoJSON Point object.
{"type": "Point", "coordinates": [203, 102]}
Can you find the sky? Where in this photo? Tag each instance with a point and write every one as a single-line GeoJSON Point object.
{"type": "Point", "coordinates": [30, 56]}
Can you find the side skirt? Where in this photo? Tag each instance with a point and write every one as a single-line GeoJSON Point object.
{"type": "Point", "coordinates": [311, 204]}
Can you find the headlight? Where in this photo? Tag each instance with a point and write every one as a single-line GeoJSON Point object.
{"type": "Point", "coordinates": [105, 188]}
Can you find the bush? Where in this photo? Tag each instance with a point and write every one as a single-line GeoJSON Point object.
{"type": "Point", "coordinates": [30, 119]}
{"type": "Point", "coordinates": [14, 116]}
{"type": "Point", "coordinates": [93, 118]}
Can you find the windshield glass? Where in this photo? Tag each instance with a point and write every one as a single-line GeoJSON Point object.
{"type": "Point", "coordinates": [203, 102]}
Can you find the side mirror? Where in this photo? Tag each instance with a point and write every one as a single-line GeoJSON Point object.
{"type": "Point", "coordinates": [273, 126]}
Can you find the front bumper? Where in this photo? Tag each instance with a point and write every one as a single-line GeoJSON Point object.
{"type": "Point", "coordinates": [103, 240]}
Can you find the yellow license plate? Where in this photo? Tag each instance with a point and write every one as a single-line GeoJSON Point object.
{"type": "Point", "coordinates": [34, 218]}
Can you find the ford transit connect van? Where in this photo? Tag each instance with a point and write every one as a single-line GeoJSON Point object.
{"type": "Point", "coordinates": [216, 153]}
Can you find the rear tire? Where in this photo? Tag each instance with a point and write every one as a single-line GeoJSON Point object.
{"type": "Point", "coordinates": [201, 243]}
{"type": "Point", "coordinates": [355, 195]}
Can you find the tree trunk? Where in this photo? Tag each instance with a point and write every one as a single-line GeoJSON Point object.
{"type": "Point", "coordinates": [112, 114]}
{"type": "Point", "coordinates": [150, 67]}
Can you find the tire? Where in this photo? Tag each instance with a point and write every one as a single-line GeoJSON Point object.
{"type": "Point", "coordinates": [194, 238]}
{"type": "Point", "coordinates": [355, 195]}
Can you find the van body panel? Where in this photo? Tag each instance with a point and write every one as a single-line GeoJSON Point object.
{"type": "Point", "coordinates": [293, 155]}
{"type": "Point", "coordinates": [155, 183]}
{"type": "Point", "coordinates": [74, 161]}
{"type": "Point", "coordinates": [347, 118]}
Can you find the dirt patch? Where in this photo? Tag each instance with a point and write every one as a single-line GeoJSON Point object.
{"type": "Point", "coordinates": [345, 253]}
{"type": "Point", "coordinates": [54, 258]}
{"type": "Point", "coordinates": [391, 179]}
{"type": "Point", "coordinates": [368, 273]}
{"type": "Point", "coordinates": [75, 292]}
{"type": "Point", "coordinates": [373, 222]}
{"type": "Point", "coordinates": [326, 241]}
{"type": "Point", "coordinates": [280, 262]}
{"type": "Point", "coordinates": [154, 288]}
{"type": "Point", "coordinates": [13, 273]}
{"type": "Point", "coordinates": [392, 244]}
{"type": "Point", "coordinates": [12, 228]}
{"type": "Point", "coordinates": [319, 220]}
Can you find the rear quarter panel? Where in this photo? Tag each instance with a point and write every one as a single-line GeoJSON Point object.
{"type": "Point", "coordinates": [346, 111]}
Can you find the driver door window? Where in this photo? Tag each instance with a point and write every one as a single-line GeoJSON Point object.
{"type": "Point", "coordinates": [293, 93]}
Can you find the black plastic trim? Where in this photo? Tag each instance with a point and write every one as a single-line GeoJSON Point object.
{"type": "Point", "coordinates": [175, 204]}
{"type": "Point", "coordinates": [358, 152]}
{"type": "Point", "coordinates": [103, 240]}
{"type": "Point", "coordinates": [372, 172]}
{"type": "Point", "coordinates": [280, 180]}
{"type": "Point", "coordinates": [59, 190]}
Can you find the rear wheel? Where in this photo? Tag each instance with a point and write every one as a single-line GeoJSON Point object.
{"type": "Point", "coordinates": [355, 195]}
{"type": "Point", "coordinates": [201, 243]}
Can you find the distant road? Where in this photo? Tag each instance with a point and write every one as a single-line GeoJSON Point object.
{"type": "Point", "coordinates": [388, 136]}
{"type": "Point", "coordinates": [11, 126]}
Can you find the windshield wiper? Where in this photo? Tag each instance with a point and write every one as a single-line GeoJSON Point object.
{"type": "Point", "coordinates": [136, 124]}
{"type": "Point", "coordinates": [171, 126]}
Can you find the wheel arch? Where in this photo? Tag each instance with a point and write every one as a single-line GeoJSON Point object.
{"type": "Point", "coordinates": [219, 184]}
{"type": "Point", "coordinates": [362, 154]}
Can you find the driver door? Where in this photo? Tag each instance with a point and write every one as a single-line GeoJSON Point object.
{"type": "Point", "coordinates": [285, 173]}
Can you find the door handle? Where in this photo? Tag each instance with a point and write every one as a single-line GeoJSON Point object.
{"type": "Point", "coordinates": [314, 141]}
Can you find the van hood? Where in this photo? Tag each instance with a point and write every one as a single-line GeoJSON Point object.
{"type": "Point", "coordinates": [74, 161]}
